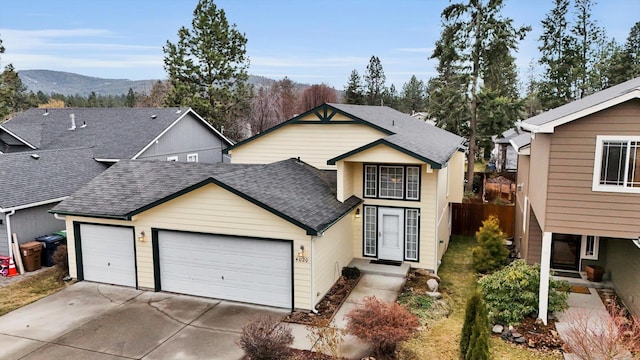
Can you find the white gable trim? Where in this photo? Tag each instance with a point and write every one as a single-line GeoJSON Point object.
{"type": "Point", "coordinates": [17, 137]}
{"type": "Point", "coordinates": [189, 110]}
{"type": "Point", "coordinates": [549, 127]}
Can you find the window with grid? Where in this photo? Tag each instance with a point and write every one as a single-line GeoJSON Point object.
{"type": "Point", "coordinates": [590, 246]}
{"type": "Point", "coordinates": [391, 182]}
{"type": "Point", "coordinates": [411, 235]}
{"type": "Point", "coordinates": [617, 164]}
{"type": "Point", "coordinates": [413, 183]}
{"type": "Point", "coordinates": [370, 180]}
{"type": "Point", "coordinates": [370, 231]}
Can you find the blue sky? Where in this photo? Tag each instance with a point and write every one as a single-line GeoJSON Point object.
{"type": "Point", "coordinates": [308, 41]}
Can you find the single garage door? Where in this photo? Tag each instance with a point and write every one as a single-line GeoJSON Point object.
{"type": "Point", "coordinates": [234, 268]}
{"type": "Point", "coordinates": [108, 254]}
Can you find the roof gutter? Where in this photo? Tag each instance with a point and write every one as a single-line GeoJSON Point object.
{"type": "Point", "coordinates": [26, 206]}
{"type": "Point", "coordinates": [18, 137]}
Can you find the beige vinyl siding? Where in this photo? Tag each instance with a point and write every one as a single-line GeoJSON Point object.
{"type": "Point", "coordinates": [520, 233]}
{"type": "Point", "coordinates": [313, 143]}
{"type": "Point", "coordinates": [572, 207]}
{"type": "Point", "coordinates": [382, 154]}
{"type": "Point", "coordinates": [442, 224]}
{"type": "Point", "coordinates": [211, 209]}
{"type": "Point", "coordinates": [456, 170]}
{"type": "Point", "coordinates": [333, 251]}
{"type": "Point", "coordinates": [426, 205]}
{"type": "Point", "coordinates": [345, 182]}
{"type": "Point", "coordinates": [623, 267]}
{"type": "Point", "coordinates": [539, 168]}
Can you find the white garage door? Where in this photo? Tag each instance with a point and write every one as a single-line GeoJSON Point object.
{"type": "Point", "coordinates": [108, 255]}
{"type": "Point", "coordinates": [234, 268]}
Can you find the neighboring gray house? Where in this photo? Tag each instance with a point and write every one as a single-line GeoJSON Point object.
{"type": "Point", "coordinates": [47, 154]}
{"type": "Point", "coordinates": [32, 183]}
{"type": "Point", "coordinates": [504, 154]}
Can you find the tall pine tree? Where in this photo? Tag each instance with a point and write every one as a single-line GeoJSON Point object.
{"type": "Point", "coordinates": [374, 80]}
{"type": "Point", "coordinates": [412, 98]}
{"type": "Point", "coordinates": [354, 92]}
{"type": "Point", "coordinates": [207, 67]}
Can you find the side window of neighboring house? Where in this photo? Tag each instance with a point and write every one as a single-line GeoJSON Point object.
{"type": "Point", "coordinates": [192, 157]}
{"type": "Point", "coordinates": [617, 164]}
{"type": "Point", "coordinates": [172, 158]}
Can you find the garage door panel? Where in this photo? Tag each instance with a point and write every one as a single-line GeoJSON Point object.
{"type": "Point", "coordinates": [108, 254]}
{"type": "Point", "coordinates": [234, 268]}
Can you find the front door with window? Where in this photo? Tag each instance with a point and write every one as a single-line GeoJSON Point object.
{"type": "Point", "coordinates": [390, 233]}
{"type": "Point", "coordinates": [565, 251]}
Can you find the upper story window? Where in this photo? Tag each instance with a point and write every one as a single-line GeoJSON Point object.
{"type": "Point", "coordinates": [392, 182]}
{"type": "Point", "coordinates": [192, 157]}
{"type": "Point", "coordinates": [172, 158]}
{"type": "Point", "coordinates": [617, 164]}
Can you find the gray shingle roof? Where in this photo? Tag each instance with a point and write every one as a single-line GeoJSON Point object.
{"type": "Point", "coordinates": [585, 103]}
{"type": "Point", "coordinates": [53, 175]}
{"type": "Point", "coordinates": [114, 133]}
{"type": "Point", "coordinates": [407, 132]}
{"type": "Point", "coordinates": [292, 190]}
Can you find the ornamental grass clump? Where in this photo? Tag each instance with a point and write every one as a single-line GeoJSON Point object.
{"type": "Point", "coordinates": [511, 293]}
{"type": "Point", "coordinates": [491, 253]}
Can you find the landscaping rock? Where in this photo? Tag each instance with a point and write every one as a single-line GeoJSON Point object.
{"type": "Point", "coordinates": [520, 340]}
{"type": "Point", "coordinates": [497, 329]}
{"type": "Point", "coordinates": [432, 284]}
{"type": "Point", "coordinates": [434, 294]}
{"type": "Point", "coordinates": [516, 334]}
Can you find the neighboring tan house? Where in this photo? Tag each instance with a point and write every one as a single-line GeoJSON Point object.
{"type": "Point", "coordinates": [47, 154]}
{"type": "Point", "coordinates": [578, 195]}
{"type": "Point", "coordinates": [333, 184]}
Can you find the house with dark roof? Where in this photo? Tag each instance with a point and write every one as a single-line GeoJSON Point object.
{"type": "Point", "coordinates": [275, 226]}
{"type": "Point", "coordinates": [47, 154]}
{"type": "Point", "coordinates": [578, 195]}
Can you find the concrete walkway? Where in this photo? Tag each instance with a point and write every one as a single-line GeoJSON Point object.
{"type": "Point", "coordinates": [383, 287]}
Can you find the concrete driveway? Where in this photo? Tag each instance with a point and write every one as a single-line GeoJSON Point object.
{"type": "Point", "coordinates": [96, 321]}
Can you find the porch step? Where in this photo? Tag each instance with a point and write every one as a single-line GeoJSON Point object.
{"type": "Point", "coordinates": [365, 266]}
{"type": "Point", "coordinates": [584, 282]}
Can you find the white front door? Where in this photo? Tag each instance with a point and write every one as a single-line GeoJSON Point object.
{"type": "Point", "coordinates": [390, 233]}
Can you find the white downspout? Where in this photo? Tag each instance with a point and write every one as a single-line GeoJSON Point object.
{"type": "Point", "coordinates": [313, 279]}
{"type": "Point", "coordinates": [545, 269]}
{"type": "Point", "coordinates": [8, 222]}
{"type": "Point", "coordinates": [435, 221]}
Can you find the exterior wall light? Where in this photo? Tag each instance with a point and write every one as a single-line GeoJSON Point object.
{"type": "Point", "coordinates": [301, 251]}
{"type": "Point", "coordinates": [357, 213]}
{"type": "Point", "coordinates": [141, 237]}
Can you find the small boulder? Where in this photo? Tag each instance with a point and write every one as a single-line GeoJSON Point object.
{"type": "Point", "coordinates": [434, 294]}
{"type": "Point", "coordinates": [432, 284]}
{"type": "Point", "coordinates": [516, 334]}
{"type": "Point", "coordinates": [497, 329]}
{"type": "Point", "coordinates": [520, 340]}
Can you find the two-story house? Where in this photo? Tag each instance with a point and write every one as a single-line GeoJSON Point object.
{"type": "Point", "coordinates": [47, 154]}
{"type": "Point", "coordinates": [578, 195]}
{"type": "Point", "coordinates": [275, 227]}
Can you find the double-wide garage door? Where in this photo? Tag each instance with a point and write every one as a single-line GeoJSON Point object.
{"type": "Point", "coordinates": [108, 254]}
{"type": "Point", "coordinates": [234, 268]}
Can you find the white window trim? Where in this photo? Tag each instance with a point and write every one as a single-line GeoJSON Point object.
{"type": "Point", "coordinates": [597, 165]}
{"type": "Point", "coordinates": [172, 158]}
{"type": "Point", "coordinates": [365, 211]}
{"type": "Point", "coordinates": [375, 186]}
{"type": "Point", "coordinates": [583, 248]}
{"type": "Point", "coordinates": [406, 223]}
{"type": "Point", "coordinates": [406, 183]}
{"type": "Point", "coordinates": [194, 155]}
{"type": "Point", "coordinates": [404, 180]}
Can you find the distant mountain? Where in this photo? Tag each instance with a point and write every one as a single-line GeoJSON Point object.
{"type": "Point", "coordinates": [49, 81]}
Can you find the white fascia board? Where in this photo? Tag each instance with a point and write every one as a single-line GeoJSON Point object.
{"type": "Point", "coordinates": [18, 137]}
{"type": "Point", "coordinates": [26, 206]}
{"type": "Point", "coordinates": [107, 160]}
{"type": "Point", "coordinates": [549, 127]}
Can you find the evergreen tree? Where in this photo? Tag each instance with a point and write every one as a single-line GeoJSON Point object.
{"type": "Point", "coordinates": [413, 94]}
{"type": "Point", "coordinates": [490, 254]}
{"type": "Point", "coordinates": [632, 50]}
{"type": "Point", "coordinates": [471, 29]}
{"type": "Point", "coordinates": [474, 339]}
{"type": "Point", "coordinates": [558, 59]}
{"type": "Point", "coordinates": [207, 67]}
{"type": "Point", "coordinates": [354, 92]}
{"type": "Point", "coordinates": [374, 80]}
{"type": "Point", "coordinates": [590, 38]}
{"type": "Point", "coordinates": [130, 100]}
{"type": "Point", "coordinates": [390, 97]}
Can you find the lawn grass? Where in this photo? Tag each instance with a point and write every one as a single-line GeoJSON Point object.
{"type": "Point", "coordinates": [30, 289]}
{"type": "Point", "coordinates": [440, 340]}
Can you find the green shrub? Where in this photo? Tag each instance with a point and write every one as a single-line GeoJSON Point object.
{"type": "Point", "coordinates": [512, 292]}
{"type": "Point", "coordinates": [491, 253]}
{"type": "Point", "coordinates": [474, 341]}
{"type": "Point", "coordinates": [350, 272]}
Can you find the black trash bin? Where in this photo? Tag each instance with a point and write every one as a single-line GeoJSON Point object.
{"type": "Point", "coordinates": [50, 244]}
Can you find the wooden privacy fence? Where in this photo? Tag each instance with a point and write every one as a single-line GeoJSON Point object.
{"type": "Point", "coordinates": [468, 217]}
